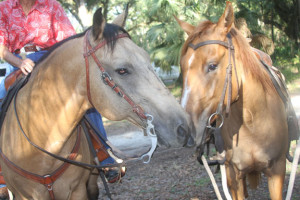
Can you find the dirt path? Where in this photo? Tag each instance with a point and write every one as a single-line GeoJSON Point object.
{"type": "Point", "coordinates": [175, 174]}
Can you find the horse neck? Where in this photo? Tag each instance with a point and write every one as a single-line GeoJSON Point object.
{"type": "Point", "coordinates": [254, 97]}
{"type": "Point", "coordinates": [53, 101]}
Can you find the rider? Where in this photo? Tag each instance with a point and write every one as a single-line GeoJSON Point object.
{"type": "Point", "coordinates": [31, 27]}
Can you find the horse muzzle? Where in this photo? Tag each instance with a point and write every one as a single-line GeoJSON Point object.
{"type": "Point", "coordinates": [184, 137]}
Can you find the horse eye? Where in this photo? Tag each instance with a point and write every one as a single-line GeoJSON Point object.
{"type": "Point", "coordinates": [122, 71]}
{"type": "Point", "coordinates": [212, 67]}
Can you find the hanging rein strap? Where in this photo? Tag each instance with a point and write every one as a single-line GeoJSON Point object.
{"type": "Point", "coordinates": [90, 51]}
{"type": "Point", "coordinates": [49, 179]}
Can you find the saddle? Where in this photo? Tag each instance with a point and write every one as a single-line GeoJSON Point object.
{"type": "Point", "coordinates": [11, 78]}
{"type": "Point", "coordinates": [282, 90]}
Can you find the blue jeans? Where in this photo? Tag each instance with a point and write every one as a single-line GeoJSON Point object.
{"type": "Point", "coordinates": [35, 57]}
{"type": "Point", "coordinates": [96, 119]}
{"type": "Point", "coordinates": [93, 114]}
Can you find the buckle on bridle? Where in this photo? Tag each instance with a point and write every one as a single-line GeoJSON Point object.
{"type": "Point", "coordinates": [104, 76]}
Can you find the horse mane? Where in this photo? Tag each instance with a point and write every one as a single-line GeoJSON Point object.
{"type": "Point", "coordinates": [251, 64]}
{"type": "Point", "coordinates": [110, 34]}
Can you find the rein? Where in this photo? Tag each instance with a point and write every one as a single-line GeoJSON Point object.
{"type": "Point", "coordinates": [48, 180]}
{"type": "Point", "coordinates": [107, 79]}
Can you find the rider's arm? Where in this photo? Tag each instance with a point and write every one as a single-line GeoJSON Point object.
{"type": "Point", "coordinates": [25, 65]}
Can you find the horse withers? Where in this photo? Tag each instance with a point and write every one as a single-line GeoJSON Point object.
{"type": "Point", "coordinates": [225, 83]}
{"type": "Point", "coordinates": [77, 75]}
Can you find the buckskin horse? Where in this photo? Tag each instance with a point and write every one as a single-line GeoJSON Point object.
{"type": "Point", "coordinates": [101, 68]}
{"type": "Point", "coordinates": [225, 83]}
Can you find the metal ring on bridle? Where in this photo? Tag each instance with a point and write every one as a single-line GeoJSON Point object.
{"type": "Point", "coordinates": [210, 118]}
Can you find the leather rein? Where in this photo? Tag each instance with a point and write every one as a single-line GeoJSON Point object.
{"type": "Point", "coordinates": [219, 143]}
{"type": "Point", "coordinates": [49, 179]}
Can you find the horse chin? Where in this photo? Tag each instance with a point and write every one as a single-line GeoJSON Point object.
{"type": "Point", "coordinates": [162, 141]}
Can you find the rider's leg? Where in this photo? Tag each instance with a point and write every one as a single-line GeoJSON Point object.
{"type": "Point", "coordinates": [96, 119]}
{"type": "Point", "coordinates": [9, 69]}
{"type": "Point", "coordinates": [113, 173]}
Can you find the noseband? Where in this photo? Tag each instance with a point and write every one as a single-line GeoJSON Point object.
{"type": "Point", "coordinates": [219, 143]}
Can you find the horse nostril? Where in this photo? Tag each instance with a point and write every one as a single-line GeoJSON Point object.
{"type": "Point", "coordinates": [190, 142]}
{"type": "Point", "coordinates": [182, 134]}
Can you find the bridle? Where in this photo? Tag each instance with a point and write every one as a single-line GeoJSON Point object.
{"type": "Point", "coordinates": [227, 87]}
{"type": "Point", "coordinates": [107, 79]}
{"type": "Point", "coordinates": [48, 180]}
{"type": "Point", "coordinates": [90, 51]}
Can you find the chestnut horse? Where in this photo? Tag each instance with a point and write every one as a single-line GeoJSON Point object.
{"type": "Point", "coordinates": [223, 81]}
{"type": "Point", "coordinates": [62, 87]}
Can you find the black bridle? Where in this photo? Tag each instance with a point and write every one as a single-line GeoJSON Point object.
{"type": "Point", "coordinates": [219, 143]}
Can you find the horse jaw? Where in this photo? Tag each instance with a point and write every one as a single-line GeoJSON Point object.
{"type": "Point", "coordinates": [200, 125]}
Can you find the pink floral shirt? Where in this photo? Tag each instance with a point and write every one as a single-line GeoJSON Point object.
{"type": "Point", "coordinates": [45, 24]}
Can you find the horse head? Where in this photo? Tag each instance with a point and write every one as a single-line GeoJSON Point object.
{"type": "Point", "coordinates": [205, 58]}
{"type": "Point", "coordinates": [129, 67]}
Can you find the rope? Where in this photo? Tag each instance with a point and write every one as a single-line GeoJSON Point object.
{"type": "Point", "coordinates": [212, 178]}
{"type": "Point", "coordinates": [224, 182]}
{"type": "Point", "coordinates": [293, 172]}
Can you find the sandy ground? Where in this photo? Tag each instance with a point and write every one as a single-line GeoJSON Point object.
{"type": "Point", "coordinates": [172, 173]}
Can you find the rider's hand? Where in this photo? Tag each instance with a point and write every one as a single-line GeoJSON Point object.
{"type": "Point", "coordinates": [26, 66]}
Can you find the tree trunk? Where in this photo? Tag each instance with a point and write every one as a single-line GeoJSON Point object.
{"type": "Point", "coordinates": [85, 16]}
{"type": "Point", "coordinates": [272, 25]}
{"type": "Point", "coordinates": [298, 26]}
{"type": "Point", "coordinates": [105, 8]}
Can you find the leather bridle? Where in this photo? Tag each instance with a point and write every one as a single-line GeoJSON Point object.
{"type": "Point", "coordinates": [48, 180]}
{"type": "Point", "coordinates": [149, 128]}
{"type": "Point", "coordinates": [227, 87]}
{"type": "Point", "coordinates": [90, 51]}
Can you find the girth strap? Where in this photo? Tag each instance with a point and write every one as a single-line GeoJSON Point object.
{"type": "Point", "coordinates": [48, 179]}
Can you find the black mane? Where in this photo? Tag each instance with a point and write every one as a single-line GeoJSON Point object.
{"type": "Point", "coordinates": [110, 34]}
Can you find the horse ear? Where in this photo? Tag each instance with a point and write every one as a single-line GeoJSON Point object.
{"type": "Point", "coordinates": [121, 19]}
{"type": "Point", "coordinates": [188, 28]}
{"type": "Point", "coordinates": [98, 24]}
{"type": "Point", "coordinates": [226, 21]}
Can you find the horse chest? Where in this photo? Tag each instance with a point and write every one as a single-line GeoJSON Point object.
{"type": "Point", "coordinates": [246, 151]}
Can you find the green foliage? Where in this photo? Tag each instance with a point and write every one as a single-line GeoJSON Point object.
{"type": "Point", "coordinates": [153, 27]}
